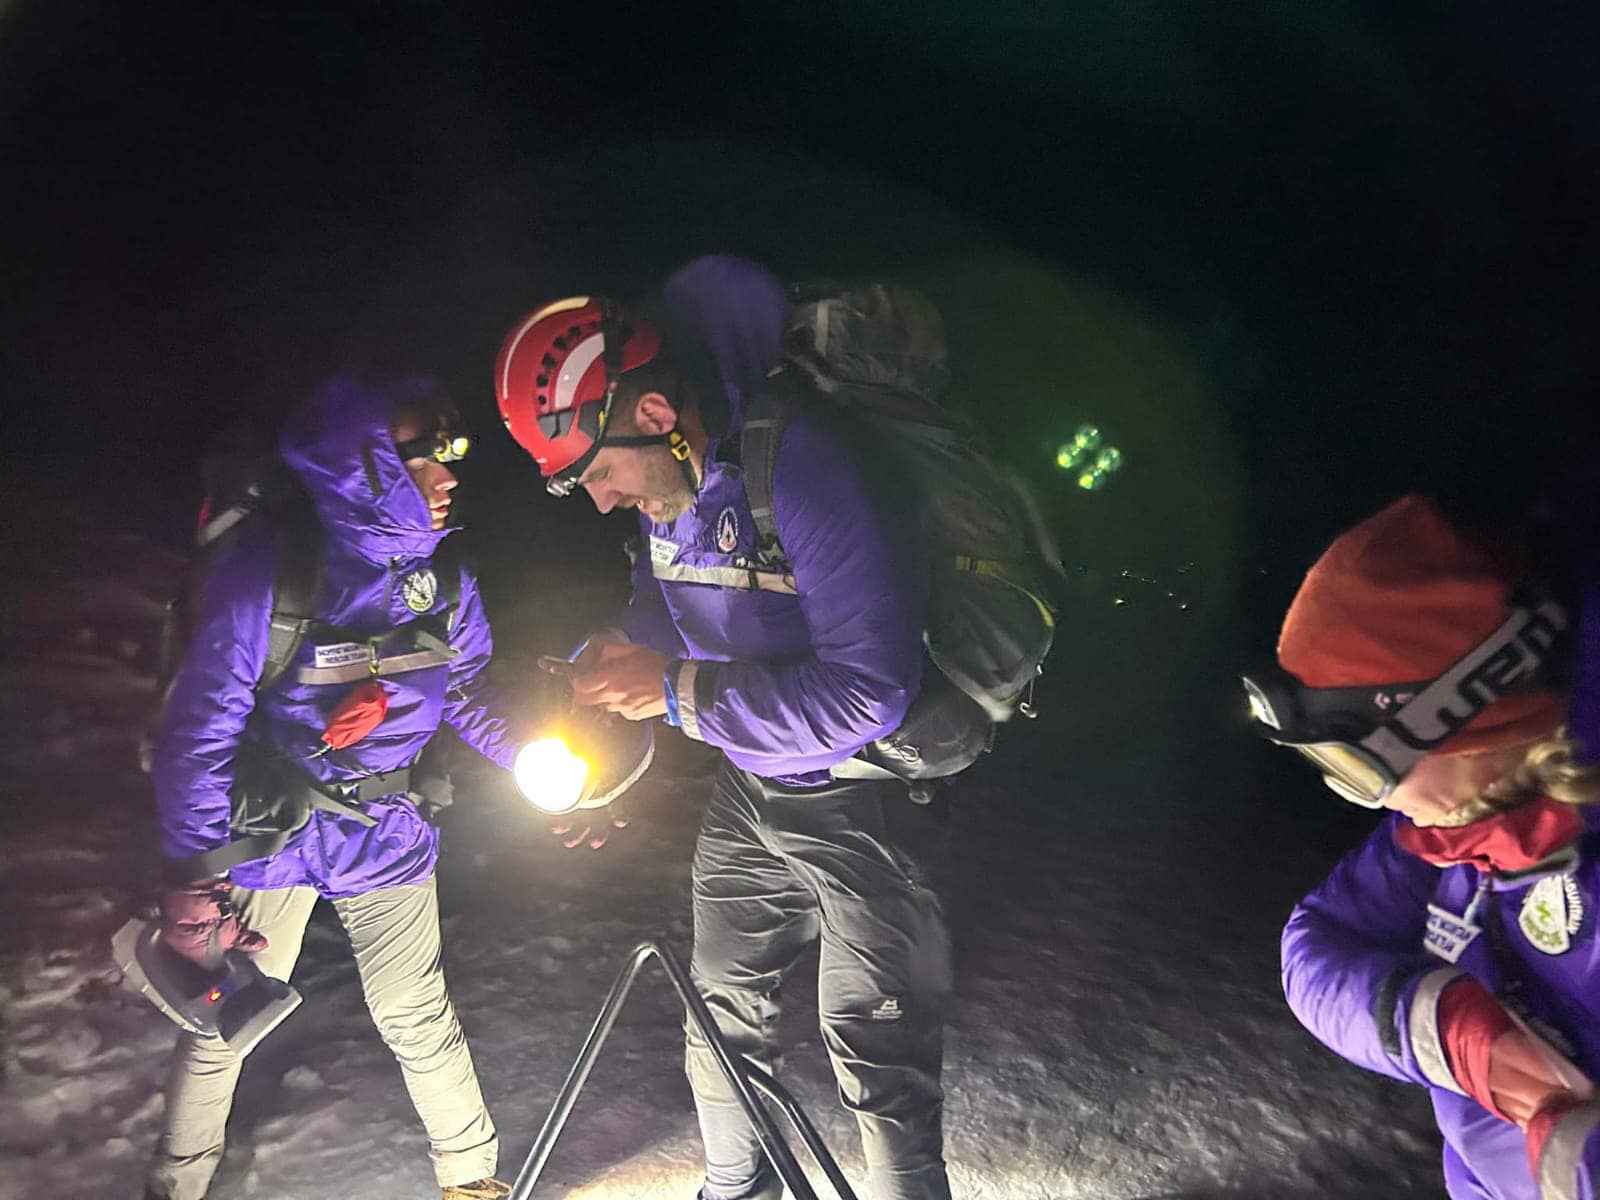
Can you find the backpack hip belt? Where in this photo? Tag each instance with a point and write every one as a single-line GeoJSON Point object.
{"type": "Point", "coordinates": [348, 796]}
{"type": "Point", "coordinates": [298, 794]}
{"type": "Point", "coordinates": [374, 666]}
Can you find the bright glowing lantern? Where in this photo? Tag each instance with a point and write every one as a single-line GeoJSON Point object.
{"type": "Point", "coordinates": [550, 775]}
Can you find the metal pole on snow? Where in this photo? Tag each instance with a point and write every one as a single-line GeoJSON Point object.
{"type": "Point", "coordinates": [746, 1079]}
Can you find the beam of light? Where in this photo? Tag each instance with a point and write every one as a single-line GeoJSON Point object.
{"type": "Point", "coordinates": [549, 775]}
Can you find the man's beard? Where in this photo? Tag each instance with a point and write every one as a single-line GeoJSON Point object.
{"type": "Point", "coordinates": [664, 485]}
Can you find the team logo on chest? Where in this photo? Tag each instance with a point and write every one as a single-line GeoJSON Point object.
{"type": "Point", "coordinates": [727, 530]}
{"type": "Point", "coordinates": [1552, 912]}
{"type": "Point", "coordinates": [419, 590]}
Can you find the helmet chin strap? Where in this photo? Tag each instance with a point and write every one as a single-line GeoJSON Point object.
{"type": "Point", "coordinates": [677, 445]}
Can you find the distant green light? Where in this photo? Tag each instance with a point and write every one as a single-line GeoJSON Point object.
{"type": "Point", "coordinates": [1070, 455]}
{"type": "Point", "coordinates": [1094, 462]}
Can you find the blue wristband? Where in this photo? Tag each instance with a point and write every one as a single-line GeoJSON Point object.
{"type": "Point", "coordinates": [671, 692]}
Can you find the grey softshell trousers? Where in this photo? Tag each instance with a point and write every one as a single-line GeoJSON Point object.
{"type": "Point", "coordinates": [852, 864]}
{"type": "Point", "coordinates": [395, 935]}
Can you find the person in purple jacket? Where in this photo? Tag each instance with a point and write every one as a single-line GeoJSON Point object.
{"type": "Point", "coordinates": [371, 457]}
{"type": "Point", "coordinates": [1457, 948]}
{"type": "Point", "coordinates": [789, 674]}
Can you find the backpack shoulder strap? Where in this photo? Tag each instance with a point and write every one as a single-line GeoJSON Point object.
{"type": "Point", "coordinates": [449, 567]}
{"type": "Point", "coordinates": [766, 417]}
{"type": "Point", "coordinates": [296, 585]}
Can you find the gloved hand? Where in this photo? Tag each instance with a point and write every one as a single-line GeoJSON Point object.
{"type": "Point", "coordinates": [1496, 1062]}
{"type": "Point", "coordinates": [591, 827]}
{"type": "Point", "coordinates": [198, 923]}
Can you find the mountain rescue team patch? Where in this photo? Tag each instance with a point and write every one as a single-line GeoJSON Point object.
{"type": "Point", "coordinates": [1552, 912]}
{"type": "Point", "coordinates": [727, 531]}
{"type": "Point", "coordinates": [419, 590]}
{"type": "Point", "coordinates": [662, 552]}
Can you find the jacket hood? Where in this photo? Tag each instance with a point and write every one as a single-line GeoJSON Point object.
{"type": "Point", "coordinates": [338, 442]}
{"type": "Point", "coordinates": [738, 311]}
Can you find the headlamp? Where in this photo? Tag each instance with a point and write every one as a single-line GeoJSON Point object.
{"type": "Point", "coordinates": [1365, 740]}
{"type": "Point", "coordinates": [442, 447]}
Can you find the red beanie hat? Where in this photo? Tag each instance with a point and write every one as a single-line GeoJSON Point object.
{"type": "Point", "coordinates": [1400, 598]}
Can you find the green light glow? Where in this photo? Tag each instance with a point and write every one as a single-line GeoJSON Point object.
{"type": "Point", "coordinates": [1087, 455]}
{"type": "Point", "coordinates": [1070, 455]}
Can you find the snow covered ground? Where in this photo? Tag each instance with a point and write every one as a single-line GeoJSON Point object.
{"type": "Point", "coordinates": [1117, 1031]}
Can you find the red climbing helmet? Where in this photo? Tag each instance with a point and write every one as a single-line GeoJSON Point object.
{"type": "Point", "coordinates": [556, 376]}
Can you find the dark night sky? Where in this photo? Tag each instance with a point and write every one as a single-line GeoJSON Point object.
{"type": "Point", "coordinates": [1294, 258]}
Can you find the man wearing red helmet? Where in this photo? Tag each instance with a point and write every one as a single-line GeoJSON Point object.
{"type": "Point", "coordinates": [788, 669]}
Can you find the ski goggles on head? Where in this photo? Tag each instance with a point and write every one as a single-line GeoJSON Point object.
{"type": "Point", "coordinates": [441, 447]}
{"type": "Point", "coordinates": [1366, 740]}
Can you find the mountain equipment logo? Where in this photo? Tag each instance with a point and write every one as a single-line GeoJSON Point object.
{"type": "Point", "coordinates": [1551, 913]}
{"type": "Point", "coordinates": [419, 590]}
{"type": "Point", "coordinates": [727, 531]}
{"type": "Point", "coordinates": [887, 1010]}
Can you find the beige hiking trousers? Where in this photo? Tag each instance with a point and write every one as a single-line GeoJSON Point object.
{"type": "Point", "coordinates": [395, 935]}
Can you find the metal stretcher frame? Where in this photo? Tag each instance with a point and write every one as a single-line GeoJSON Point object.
{"type": "Point", "coordinates": [749, 1084]}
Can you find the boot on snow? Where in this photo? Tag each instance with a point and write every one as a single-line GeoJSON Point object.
{"type": "Point", "coordinates": [483, 1189]}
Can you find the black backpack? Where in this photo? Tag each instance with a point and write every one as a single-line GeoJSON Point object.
{"type": "Point", "coordinates": [876, 354]}
{"type": "Point", "coordinates": [244, 488]}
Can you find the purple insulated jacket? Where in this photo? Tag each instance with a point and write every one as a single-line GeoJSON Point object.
{"type": "Point", "coordinates": [1366, 955]}
{"type": "Point", "coordinates": [787, 680]}
{"type": "Point", "coordinates": [378, 539]}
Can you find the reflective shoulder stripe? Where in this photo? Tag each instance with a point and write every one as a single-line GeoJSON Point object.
{"type": "Point", "coordinates": [1563, 1154]}
{"type": "Point", "coordinates": [743, 578]}
{"type": "Point", "coordinates": [1422, 1024]}
{"type": "Point", "coordinates": [394, 665]}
